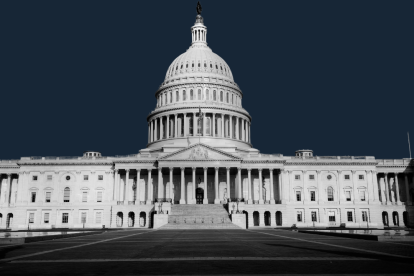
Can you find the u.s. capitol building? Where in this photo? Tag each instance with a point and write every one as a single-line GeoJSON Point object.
{"type": "Point", "coordinates": [199, 151]}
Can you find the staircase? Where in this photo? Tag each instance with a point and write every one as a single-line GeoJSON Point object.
{"type": "Point", "coordinates": [199, 216]}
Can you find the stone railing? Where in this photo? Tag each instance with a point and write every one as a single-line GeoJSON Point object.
{"type": "Point", "coordinates": [9, 161]}
{"type": "Point", "coordinates": [332, 157]}
{"type": "Point", "coordinates": [161, 199]}
{"type": "Point", "coordinates": [394, 161]}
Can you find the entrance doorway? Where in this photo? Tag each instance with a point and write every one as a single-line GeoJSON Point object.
{"type": "Point", "coordinates": [199, 195]}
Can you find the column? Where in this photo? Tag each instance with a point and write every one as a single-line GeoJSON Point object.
{"type": "Point", "coordinates": [7, 191]}
{"type": "Point", "coordinates": [246, 135]}
{"type": "Point", "coordinates": [185, 125]}
{"type": "Point", "coordinates": [160, 189]}
{"type": "Point", "coordinates": [205, 200]}
{"type": "Point", "coordinates": [237, 128]}
{"type": "Point", "coordinates": [149, 132]}
{"type": "Point", "coordinates": [126, 187]}
{"type": "Point", "coordinates": [340, 190]}
{"type": "Point", "coordinates": [203, 130]}
{"type": "Point", "coordinates": [175, 126]}
{"type": "Point", "coordinates": [171, 185]}
{"type": "Point", "coordinates": [355, 196]}
{"type": "Point", "coordinates": [370, 190]}
{"type": "Point", "coordinates": [152, 131]}
{"type": "Point", "coordinates": [304, 194]}
{"type": "Point", "coordinates": [375, 185]}
{"type": "Point", "coordinates": [228, 184]}
{"type": "Point", "coordinates": [249, 176]}
{"type": "Point", "coordinates": [116, 184]}
{"type": "Point", "coordinates": [397, 189]}
{"type": "Point", "coordinates": [167, 131]}
{"type": "Point", "coordinates": [239, 186]}
{"type": "Point", "coordinates": [261, 201]}
{"type": "Point", "coordinates": [386, 190]}
{"type": "Point", "coordinates": [194, 185]}
{"type": "Point", "coordinates": [182, 198]}
{"type": "Point", "coordinates": [216, 186]}
{"type": "Point", "coordinates": [155, 130]}
{"type": "Point", "coordinates": [195, 130]}
{"type": "Point", "coordinates": [137, 194]}
{"type": "Point", "coordinates": [231, 126]}
{"type": "Point", "coordinates": [222, 125]}
{"type": "Point", "coordinates": [318, 179]}
{"type": "Point", "coordinates": [161, 128]}
{"type": "Point", "coordinates": [149, 186]}
{"type": "Point", "coordinates": [281, 192]}
{"type": "Point", "coordinates": [407, 190]}
{"type": "Point", "coordinates": [272, 197]}
{"type": "Point", "coordinates": [214, 125]}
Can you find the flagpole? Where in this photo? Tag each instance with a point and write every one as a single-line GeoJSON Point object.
{"type": "Point", "coordinates": [409, 146]}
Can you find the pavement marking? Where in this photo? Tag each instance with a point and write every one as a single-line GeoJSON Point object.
{"type": "Point", "coordinates": [75, 246]}
{"type": "Point", "coordinates": [201, 259]}
{"type": "Point", "coordinates": [340, 246]}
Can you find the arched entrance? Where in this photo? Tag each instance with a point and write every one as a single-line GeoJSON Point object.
{"type": "Point", "coordinates": [256, 218]}
{"type": "Point", "coordinates": [131, 219]}
{"type": "Point", "coordinates": [385, 218]}
{"type": "Point", "coordinates": [142, 219]}
{"type": "Point", "coordinates": [267, 218]}
{"type": "Point", "coordinates": [119, 219]}
{"type": "Point", "coordinates": [9, 220]}
{"type": "Point", "coordinates": [247, 219]}
{"type": "Point", "coordinates": [395, 218]}
{"type": "Point", "coordinates": [279, 218]}
{"type": "Point", "coordinates": [405, 218]}
{"type": "Point", "coordinates": [199, 195]}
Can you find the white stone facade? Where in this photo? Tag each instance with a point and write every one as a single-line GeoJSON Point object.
{"type": "Point", "coordinates": [199, 151]}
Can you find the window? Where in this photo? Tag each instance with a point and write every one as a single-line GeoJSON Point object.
{"type": "Point", "coordinates": [207, 95]}
{"type": "Point", "coordinates": [66, 195]}
{"type": "Point", "coordinates": [100, 177]}
{"type": "Point", "coordinates": [362, 195]}
{"type": "Point", "coordinates": [347, 177]}
{"type": "Point", "coordinates": [34, 177]}
{"type": "Point", "coordinates": [170, 97]}
{"type": "Point", "coordinates": [85, 177]}
{"type": "Point", "coordinates": [31, 217]}
{"type": "Point", "coordinates": [191, 95]}
{"type": "Point", "coordinates": [199, 94]}
{"type": "Point", "coordinates": [98, 217]}
{"type": "Point", "coordinates": [184, 96]}
{"type": "Point", "coordinates": [84, 196]}
{"type": "Point", "coordinates": [208, 126]}
{"type": "Point", "coordinates": [99, 197]}
{"type": "Point", "coordinates": [83, 217]}
{"type": "Point", "coordinates": [221, 96]}
{"type": "Point", "coordinates": [49, 177]}
{"type": "Point", "coordinates": [348, 195]}
{"type": "Point", "coordinates": [227, 97]}
{"type": "Point", "coordinates": [313, 214]}
{"type": "Point", "coordinates": [364, 216]}
{"type": "Point", "coordinates": [297, 177]}
{"type": "Point", "coordinates": [361, 177]}
{"type": "Point", "coordinates": [299, 216]}
{"type": "Point", "coordinates": [311, 177]}
{"type": "Point", "coordinates": [349, 215]}
{"type": "Point", "coordinates": [312, 195]}
{"type": "Point", "coordinates": [65, 217]}
{"type": "Point", "coordinates": [330, 194]}
{"type": "Point", "coordinates": [298, 196]}
{"type": "Point", "coordinates": [48, 195]}
{"type": "Point", "coordinates": [177, 96]}
{"type": "Point", "coordinates": [214, 95]}
{"type": "Point", "coordinates": [33, 197]}
{"type": "Point", "coordinates": [46, 218]}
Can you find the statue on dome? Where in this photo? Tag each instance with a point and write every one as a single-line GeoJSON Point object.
{"type": "Point", "coordinates": [199, 9]}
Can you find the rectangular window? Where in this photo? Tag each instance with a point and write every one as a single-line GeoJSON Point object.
{"type": "Point", "coordinates": [84, 196]}
{"type": "Point", "coordinates": [83, 217]}
{"type": "Point", "coordinates": [31, 217]}
{"type": "Point", "coordinates": [33, 197]}
{"type": "Point", "coordinates": [98, 217]}
{"type": "Point", "coordinates": [349, 215]}
{"type": "Point", "coordinates": [348, 195]}
{"type": "Point", "coordinates": [362, 195]}
{"type": "Point", "coordinates": [34, 177]}
{"type": "Point", "coordinates": [65, 217]}
{"type": "Point", "coordinates": [364, 216]}
{"type": "Point", "coordinates": [347, 177]}
{"type": "Point", "coordinates": [313, 216]}
{"type": "Point", "coordinates": [331, 216]}
{"type": "Point", "coordinates": [48, 195]}
{"type": "Point", "coordinates": [312, 195]}
{"type": "Point", "coordinates": [361, 177]}
{"type": "Point", "coordinates": [311, 177]}
{"type": "Point", "coordinates": [99, 197]}
{"type": "Point", "coordinates": [298, 197]}
{"type": "Point", "coordinates": [85, 177]}
{"type": "Point", "coordinates": [299, 216]}
{"type": "Point", "coordinates": [49, 177]}
{"type": "Point", "coordinates": [46, 218]}
{"type": "Point", "coordinates": [100, 177]}
{"type": "Point", "coordinates": [297, 177]}
{"type": "Point", "coordinates": [330, 194]}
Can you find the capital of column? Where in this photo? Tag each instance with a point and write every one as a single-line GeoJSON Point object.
{"type": "Point", "coordinates": [239, 169]}
{"type": "Point", "coordinates": [182, 168]}
{"type": "Point", "coordinates": [116, 171]}
{"type": "Point", "coordinates": [271, 170]}
{"type": "Point", "coordinates": [171, 168]}
{"type": "Point", "coordinates": [259, 169]}
{"type": "Point", "coordinates": [216, 168]}
{"type": "Point", "coordinates": [42, 172]}
{"type": "Point", "coordinates": [194, 168]}
{"type": "Point", "coordinates": [318, 171]}
{"type": "Point", "coordinates": [339, 172]}
{"type": "Point", "coordinates": [159, 169]}
{"type": "Point", "coordinates": [385, 173]}
{"type": "Point", "coordinates": [127, 170]}
{"type": "Point", "coordinates": [205, 168]}
{"type": "Point", "coordinates": [228, 168]}
{"type": "Point", "coordinates": [138, 170]}
{"type": "Point", "coordinates": [249, 169]}
{"type": "Point", "coordinates": [396, 174]}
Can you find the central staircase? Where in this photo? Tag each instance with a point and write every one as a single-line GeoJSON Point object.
{"type": "Point", "coordinates": [199, 216]}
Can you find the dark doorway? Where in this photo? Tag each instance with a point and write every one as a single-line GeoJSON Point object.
{"type": "Point", "coordinates": [9, 220]}
{"type": "Point", "coordinates": [131, 219]}
{"type": "Point", "coordinates": [385, 218]}
{"type": "Point", "coordinates": [199, 195]}
{"type": "Point", "coordinates": [395, 219]}
{"type": "Point", "coordinates": [267, 218]}
{"type": "Point", "coordinates": [256, 218]}
{"type": "Point", "coordinates": [247, 219]}
{"type": "Point", "coordinates": [405, 218]}
{"type": "Point", "coordinates": [142, 219]}
{"type": "Point", "coordinates": [279, 218]}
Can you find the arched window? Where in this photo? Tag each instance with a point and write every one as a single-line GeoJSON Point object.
{"type": "Point", "coordinates": [221, 96]}
{"type": "Point", "coordinates": [177, 98]}
{"type": "Point", "coordinates": [184, 96]}
{"type": "Point", "coordinates": [330, 194]}
{"type": "Point", "coordinates": [207, 95]}
{"type": "Point", "coordinates": [199, 94]}
{"type": "Point", "coordinates": [66, 194]}
{"type": "Point", "coordinates": [214, 95]}
{"type": "Point", "coordinates": [232, 99]}
{"type": "Point", "coordinates": [191, 95]}
{"type": "Point", "coordinates": [170, 97]}
{"type": "Point", "coordinates": [208, 126]}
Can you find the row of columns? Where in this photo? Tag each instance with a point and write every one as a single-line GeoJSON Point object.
{"type": "Point", "coordinates": [5, 193]}
{"type": "Point", "coordinates": [240, 123]}
{"type": "Point", "coordinates": [388, 195]}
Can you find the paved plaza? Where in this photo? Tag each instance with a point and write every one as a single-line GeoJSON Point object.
{"type": "Point", "coordinates": [202, 252]}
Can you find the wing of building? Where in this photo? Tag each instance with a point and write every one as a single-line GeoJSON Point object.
{"type": "Point", "coordinates": [199, 151]}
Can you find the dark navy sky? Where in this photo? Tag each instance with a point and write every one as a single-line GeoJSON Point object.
{"type": "Point", "coordinates": [332, 76]}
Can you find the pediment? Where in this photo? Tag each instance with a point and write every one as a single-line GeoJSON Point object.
{"type": "Point", "coordinates": [199, 152]}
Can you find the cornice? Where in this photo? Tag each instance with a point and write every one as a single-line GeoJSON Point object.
{"type": "Point", "coordinates": [135, 161]}
{"type": "Point", "coordinates": [194, 83]}
{"type": "Point", "coordinates": [394, 166]}
{"type": "Point", "coordinates": [65, 163]}
{"type": "Point", "coordinates": [263, 161]}
{"type": "Point", "coordinates": [201, 160]}
{"type": "Point", "coordinates": [9, 167]}
{"type": "Point", "coordinates": [331, 164]}
{"type": "Point", "coordinates": [234, 158]}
